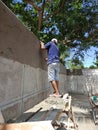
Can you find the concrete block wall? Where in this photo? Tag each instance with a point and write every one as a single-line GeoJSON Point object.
{"type": "Point", "coordinates": [82, 81]}
{"type": "Point", "coordinates": [21, 87]}
{"type": "Point", "coordinates": [91, 80]}
{"type": "Point", "coordinates": [23, 70]}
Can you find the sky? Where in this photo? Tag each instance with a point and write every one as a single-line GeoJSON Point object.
{"type": "Point", "coordinates": [90, 57]}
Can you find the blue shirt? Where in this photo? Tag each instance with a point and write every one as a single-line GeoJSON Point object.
{"type": "Point", "coordinates": [53, 52]}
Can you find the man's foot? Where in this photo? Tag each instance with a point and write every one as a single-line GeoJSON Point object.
{"type": "Point", "coordinates": [55, 95]}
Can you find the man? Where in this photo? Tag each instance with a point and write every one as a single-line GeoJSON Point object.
{"type": "Point", "coordinates": [53, 65]}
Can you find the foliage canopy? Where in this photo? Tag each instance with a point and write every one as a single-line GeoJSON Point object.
{"type": "Point", "coordinates": [73, 22]}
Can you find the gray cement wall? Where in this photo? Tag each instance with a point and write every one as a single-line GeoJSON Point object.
{"type": "Point", "coordinates": [82, 81]}
{"type": "Point", "coordinates": [23, 71]}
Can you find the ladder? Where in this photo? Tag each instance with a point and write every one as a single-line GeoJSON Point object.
{"type": "Point", "coordinates": [65, 118]}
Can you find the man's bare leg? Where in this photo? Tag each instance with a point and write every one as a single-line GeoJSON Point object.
{"type": "Point", "coordinates": [55, 86]}
{"type": "Point", "coordinates": [57, 82]}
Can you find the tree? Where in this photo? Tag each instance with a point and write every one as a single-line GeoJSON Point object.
{"type": "Point", "coordinates": [96, 62]}
{"type": "Point", "coordinates": [71, 21]}
{"type": "Point", "coordinates": [76, 64]}
{"type": "Point", "coordinates": [42, 16]}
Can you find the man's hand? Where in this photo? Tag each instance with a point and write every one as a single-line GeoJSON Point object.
{"type": "Point", "coordinates": [42, 45]}
{"type": "Point", "coordinates": [46, 59]}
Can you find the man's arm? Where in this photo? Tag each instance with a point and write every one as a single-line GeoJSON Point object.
{"type": "Point", "coordinates": [42, 45]}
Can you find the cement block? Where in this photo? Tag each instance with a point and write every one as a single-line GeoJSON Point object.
{"type": "Point", "coordinates": [11, 73]}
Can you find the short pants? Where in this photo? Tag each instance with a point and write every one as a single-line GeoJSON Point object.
{"type": "Point", "coordinates": [53, 72]}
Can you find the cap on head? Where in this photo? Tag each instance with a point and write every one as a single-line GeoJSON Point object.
{"type": "Point", "coordinates": [54, 40]}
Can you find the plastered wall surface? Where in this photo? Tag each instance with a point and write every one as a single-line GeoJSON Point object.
{"type": "Point", "coordinates": [23, 71]}
{"type": "Point", "coordinates": [82, 81]}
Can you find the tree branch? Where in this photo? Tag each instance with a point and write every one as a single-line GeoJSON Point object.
{"type": "Point", "coordinates": [60, 6]}
{"type": "Point", "coordinates": [40, 21]}
{"type": "Point", "coordinates": [41, 11]}
{"type": "Point", "coordinates": [32, 2]}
